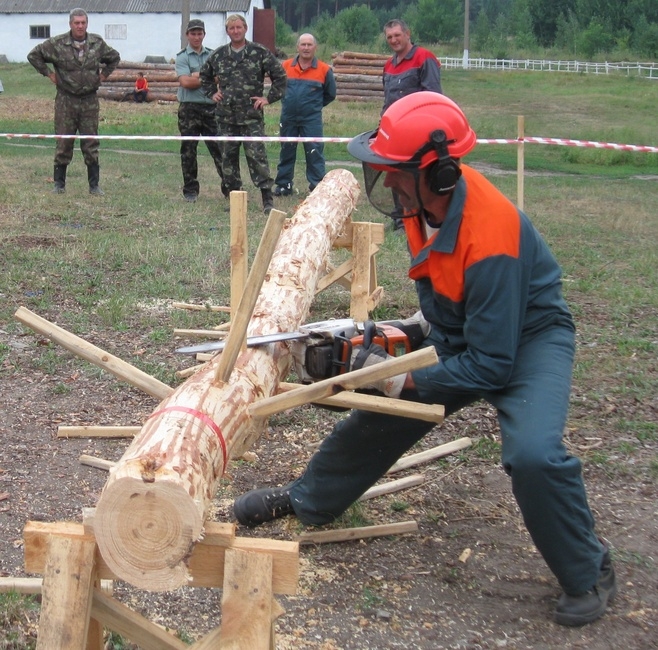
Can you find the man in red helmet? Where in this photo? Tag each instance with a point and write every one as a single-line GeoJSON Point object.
{"type": "Point", "coordinates": [490, 289]}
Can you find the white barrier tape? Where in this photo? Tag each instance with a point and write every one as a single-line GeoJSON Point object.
{"type": "Point", "coordinates": [225, 138]}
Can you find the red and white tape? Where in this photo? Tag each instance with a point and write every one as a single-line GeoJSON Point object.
{"type": "Point", "coordinates": [526, 140]}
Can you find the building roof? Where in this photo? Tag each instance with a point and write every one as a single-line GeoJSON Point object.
{"type": "Point", "coordinates": [122, 6]}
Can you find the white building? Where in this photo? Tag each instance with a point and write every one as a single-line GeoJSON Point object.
{"type": "Point", "coordinates": [135, 28]}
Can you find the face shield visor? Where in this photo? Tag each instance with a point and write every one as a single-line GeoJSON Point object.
{"type": "Point", "coordinates": [381, 183]}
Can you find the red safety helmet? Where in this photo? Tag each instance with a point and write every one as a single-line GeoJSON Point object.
{"type": "Point", "coordinates": [405, 131]}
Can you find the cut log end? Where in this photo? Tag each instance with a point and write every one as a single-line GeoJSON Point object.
{"type": "Point", "coordinates": [145, 532]}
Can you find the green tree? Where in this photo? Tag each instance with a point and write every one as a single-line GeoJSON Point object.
{"type": "Point", "coordinates": [521, 25]}
{"type": "Point", "coordinates": [545, 15]}
{"type": "Point", "coordinates": [432, 22]}
{"type": "Point", "coordinates": [596, 38]}
{"type": "Point", "coordinates": [359, 24]}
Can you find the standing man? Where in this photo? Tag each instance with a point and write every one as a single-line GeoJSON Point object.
{"type": "Point", "coordinates": [410, 70]}
{"type": "Point", "coordinates": [491, 291]}
{"type": "Point", "coordinates": [81, 61]}
{"type": "Point", "coordinates": [196, 112]}
{"type": "Point", "coordinates": [311, 86]}
{"type": "Point", "coordinates": [233, 76]}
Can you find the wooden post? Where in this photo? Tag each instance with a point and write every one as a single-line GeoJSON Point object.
{"type": "Point", "coordinates": [520, 161]}
{"type": "Point", "coordinates": [239, 252]}
{"type": "Point", "coordinates": [74, 609]}
{"type": "Point", "coordinates": [68, 584]}
{"type": "Point", "coordinates": [246, 602]}
{"type": "Point", "coordinates": [94, 355]}
{"type": "Point", "coordinates": [361, 280]}
{"type": "Point", "coordinates": [236, 340]}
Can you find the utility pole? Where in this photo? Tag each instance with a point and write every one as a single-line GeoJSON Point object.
{"type": "Point", "coordinates": [467, 11]}
{"type": "Point", "coordinates": [185, 18]}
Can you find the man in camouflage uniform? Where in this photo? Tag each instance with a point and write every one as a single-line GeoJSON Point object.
{"type": "Point", "coordinates": [196, 112]}
{"type": "Point", "coordinates": [233, 76]}
{"type": "Point", "coordinates": [81, 61]}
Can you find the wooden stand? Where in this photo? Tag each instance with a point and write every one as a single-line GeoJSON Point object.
{"type": "Point", "coordinates": [74, 609]}
{"type": "Point", "coordinates": [359, 273]}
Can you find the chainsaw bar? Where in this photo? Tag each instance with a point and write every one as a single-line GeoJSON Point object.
{"type": "Point", "coordinates": [252, 342]}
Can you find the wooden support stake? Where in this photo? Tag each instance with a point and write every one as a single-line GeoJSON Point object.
{"type": "Point", "coordinates": [393, 486]}
{"type": "Point", "coordinates": [91, 353]}
{"type": "Point", "coordinates": [388, 405]}
{"type": "Point", "coordinates": [246, 602]}
{"type": "Point", "coordinates": [238, 334]}
{"type": "Point", "coordinates": [87, 431]}
{"type": "Point", "coordinates": [431, 454]}
{"type": "Point", "coordinates": [32, 586]}
{"type": "Point", "coordinates": [98, 463]}
{"type": "Point", "coordinates": [67, 588]}
{"type": "Point", "coordinates": [349, 381]}
{"type": "Point", "coordinates": [185, 305]}
{"type": "Point", "coordinates": [349, 534]}
{"type": "Point", "coordinates": [239, 248]}
{"type": "Point", "coordinates": [363, 282]}
{"type": "Point", "coordinates": [121, 619]}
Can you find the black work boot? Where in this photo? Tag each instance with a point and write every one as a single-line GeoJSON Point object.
{"type": "Point", "coordinates": [259, 506]}
{"type": "Point", "coordinates": [59, 178]}
{"type": "Point", "coordinates": [586, 608]}
{"type": "Point", "coordinates": [268, 201]}
{"type": "Point", "coordinates": [93, 176]}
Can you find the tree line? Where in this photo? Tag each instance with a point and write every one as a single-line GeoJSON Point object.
{"type": "Point", "coordinates": [583, 28]}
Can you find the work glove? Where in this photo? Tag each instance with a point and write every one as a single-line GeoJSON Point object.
{"type": "Point", "coordinates": [415, 327]}
{"type": "Point", "coordinates": [366, 357]}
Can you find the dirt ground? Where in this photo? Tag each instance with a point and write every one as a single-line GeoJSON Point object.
{"type": "Point", "coordinates": [410, 591]}
{"type": "Point", "coordinates": [469, 578]}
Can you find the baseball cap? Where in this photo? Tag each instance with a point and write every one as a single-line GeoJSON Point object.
{"type": "Point", "coordinates": [195, 23]}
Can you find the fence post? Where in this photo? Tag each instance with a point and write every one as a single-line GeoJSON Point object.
{"type": "Point", "coordinates": [520, 161]}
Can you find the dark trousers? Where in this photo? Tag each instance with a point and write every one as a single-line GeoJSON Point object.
{"type": "Point", "coordinates": [313, 151]}
{"type": "Point", "coordinates": [546, 481]}
{"type": "Point", "coordinates": [255, 153]}
{"type": "Point", "coordinates": [195, 120]}
{"type": "Point", "coordinates": [76, 115]}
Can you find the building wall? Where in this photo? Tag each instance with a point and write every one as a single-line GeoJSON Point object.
{"type": "Point", "coordinates": [146, 34]}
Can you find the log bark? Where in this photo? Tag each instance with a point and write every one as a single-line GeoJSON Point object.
{"type": "Point", "coordinates": [155, 501]}
{"type": "Point", "coordinates": [367, 56]}
{"type": "Point", "coordinates": [146, 66]}
{"type": "Point", "coordinates": [119, 76]}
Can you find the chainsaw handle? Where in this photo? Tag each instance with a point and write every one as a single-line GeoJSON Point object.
{"type": "Point", "coordinates": [369, 333]}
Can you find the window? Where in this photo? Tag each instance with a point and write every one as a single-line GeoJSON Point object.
{"type": "Point", "coordinates": [39, 31]}
{"type": "Point", "coordinates": [116, 32]}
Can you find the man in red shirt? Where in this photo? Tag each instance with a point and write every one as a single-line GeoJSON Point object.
{"type": "Point", "coordinates": [410, 70]}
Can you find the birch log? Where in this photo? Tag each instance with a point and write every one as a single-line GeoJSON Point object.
{"type": "Point", "coordinates": [154, 504]}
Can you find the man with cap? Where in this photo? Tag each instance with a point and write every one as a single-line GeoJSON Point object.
{"type": "Point", "coordinates": [196, 112]}
{"type": "Point", "coordinates": [491, 292]}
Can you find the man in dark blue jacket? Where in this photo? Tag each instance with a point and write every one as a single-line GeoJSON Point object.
{"type": "Point", "coordinates": [491, 291]}
{"type": "Point", "coordinates": [311, 86]}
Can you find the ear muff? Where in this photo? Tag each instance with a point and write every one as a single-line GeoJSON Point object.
{"type": "Point", "coordinates": [443, 174]}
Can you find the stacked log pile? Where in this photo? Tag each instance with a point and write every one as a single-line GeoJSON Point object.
{"type": "Point", "coordinates": [359, 76]}
{"type": "Point", "coordinates": [162, 79]}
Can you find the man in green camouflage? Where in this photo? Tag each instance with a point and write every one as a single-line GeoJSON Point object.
{"type": "Point", "coordinates": [233, 76]}
{"type": "Point", "coordinates": [81, 60]}
{"type": "Point", "coordinates": [196, 112]}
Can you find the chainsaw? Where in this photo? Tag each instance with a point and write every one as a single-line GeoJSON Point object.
{"type": "Point", "coordinates": [324, 349]}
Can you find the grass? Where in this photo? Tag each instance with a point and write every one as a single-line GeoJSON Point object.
{"type": "Point", "coordinates": [117, 261]}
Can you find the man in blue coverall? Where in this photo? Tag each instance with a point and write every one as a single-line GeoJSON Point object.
{"type": "Point", "coordinates": [491, 291]}
{"type": "Point", "coordinates": [311, 86]}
